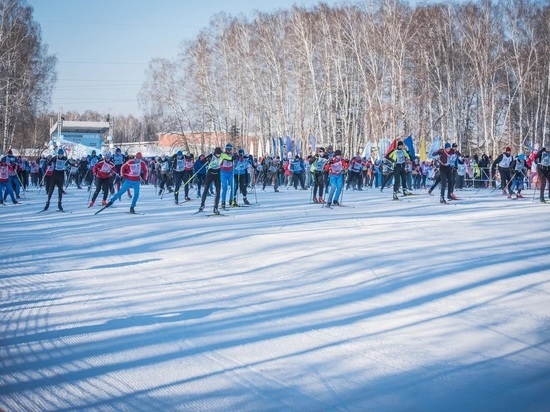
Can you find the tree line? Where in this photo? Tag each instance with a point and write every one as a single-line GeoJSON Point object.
{"type": "Point", "coordinates": [475, 73]}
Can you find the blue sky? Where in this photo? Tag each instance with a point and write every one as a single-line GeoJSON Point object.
{"type": "Point", "coordinates": [104, 46]}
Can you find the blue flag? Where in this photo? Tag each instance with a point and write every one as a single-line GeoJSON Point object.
{"type": "Point", "coordinates": [410, 145]}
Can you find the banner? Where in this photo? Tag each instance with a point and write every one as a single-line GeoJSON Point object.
{"type": "Point", "coordinates": [367, 151]}
{"type": "Point", "coordinates": [436, 145]}
{"type": "Point", "coordinates": [410, 145]}
{"type": "Point", "coordinates": [423, 156]}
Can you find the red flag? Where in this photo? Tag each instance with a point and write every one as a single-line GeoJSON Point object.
{"type": "Point", "coordinates": [393, 145]}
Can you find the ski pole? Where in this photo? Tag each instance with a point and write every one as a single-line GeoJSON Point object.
{"type": "Point", "coordinates": [192, 177]}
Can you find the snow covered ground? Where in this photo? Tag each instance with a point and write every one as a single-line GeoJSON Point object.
{"type": "Point", "coordinates": [282, 306]}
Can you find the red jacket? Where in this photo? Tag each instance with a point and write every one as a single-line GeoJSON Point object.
{"type": "Point", "coordinates": [133, 171]}
{"type": "Point", "coordinates": [5, 171]}
{"type": "Point", "coordinates": [104, 169]}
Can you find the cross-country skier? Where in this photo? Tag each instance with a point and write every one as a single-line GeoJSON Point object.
{"type": "Point", "coordinates": [5, 185]}
{"type": "Point", "coordinates": [226, 173]}
{"type": "Point", "coordinates": [542, 160]}
{"type": "Point", "coordinates": [335, 168]}
{"type": "Point", "coordinates": [504, 161]}
{"type": "Point", "coordinates": [445, 169]}
{"type": "Point", "coordinates": [519, 167]}
{"type": "Point", "coordinates": [214, 161]}
{"type": "Point", "coordinates": [59, 164]}
{"type": "Point", "coordinates": [318, 171]}
{"type": "Point", "coordinates": [103, 170]}
{"type": "Point", "coordinates": [398, 157]}
{"type": "Point", "coordinates": [132, 172]}
{"type": "Point", "coordinates": [242, 163]}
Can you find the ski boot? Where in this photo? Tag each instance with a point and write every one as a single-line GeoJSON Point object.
{"type": "Point", "coordinates": [132, 210]}
{"type": "Point", "coordinates": [442, 200]}
{"type": "Point", "coordinates": [91, 204]}
{"type": "Point", "coordinates": [315, 200]}
{"type": "Point", "coordinates": [46, 206]}
{"type": "Point", "coordinates": [103, 202]}
{"type": "Point", "coordinates": [201, 208]}
{"type": "Point", "coordinates": [223, 205]}
{"type": "Point", "coordinates": [406, 192]}
{"type": "Point", "coordinates": [395, 196]}
{"type": "Point", "coordinates": [216, 211]}
{"type": "Point", "coordinates": [59, 207]}
{"type": "Point", "coordinates": [245, 200]}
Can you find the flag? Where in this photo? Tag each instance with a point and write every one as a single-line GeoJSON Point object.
{"type": "Point", "coordinates": [288, 143]}
{"type": "Point", "coordinates": [260, 149]}
{"type": "Point", "coordinates": [367, 151]}
{"type": "Point", "coordinates": [423, 149]}
{"type": "Point", "coordinates": [281, 147]}
{"type": "Point", "coordinates": [436, 145]}
{"type": "Point", "coordinates": [410, 145]}
{"type": "Point", "coordinates": [312, 143]}
{"type": "Point", "coordinates": [392, 146]}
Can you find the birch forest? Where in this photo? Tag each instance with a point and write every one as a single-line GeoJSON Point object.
{"type": "Point", "coordinates": [474, 73]}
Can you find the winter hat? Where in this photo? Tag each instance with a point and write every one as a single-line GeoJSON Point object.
{"type": "Point", "coordinates": [321, 149]}
{"type": "Point", "coordinates": [241, 152]}
{"type": "Point", "coordinates": [218, 151]}
{"type": "Point", "coordinates": [60, 152]}
{"type": "Point", "coordinates": [107, 155]}
{"type": "Point", "coordinates": [400, 143]}
{"type": "Point", "coordinates": [447, 145]}
{"type": "Point", "coordinates": [10, 152]}
{"type": "Point", "coordinates": [179, 153]}
{"type": "Point", "coordinates": [117, 150]}
{"type": "Point", "coordinates": [508, 149]}
{"type": "Point", "coordinates": [139, 155]}
{"type": "Point", "coordinates": [228, 146]}
{"type": "Point", "coordinates": [296, 157]}
{"type": "Point", "coordinates": [338, 153]}
{"type": "Point", "coordinates": [455, 145]}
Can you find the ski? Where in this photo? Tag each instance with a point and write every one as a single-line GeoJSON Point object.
{"type": "Point", "coordinates": [135, 213]}
{"type": "Point", "coordinates": [101, 210]}
{"type": "Point", "coordinates": [217, 214]}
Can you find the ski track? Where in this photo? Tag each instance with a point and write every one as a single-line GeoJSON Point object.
{"type": "Point", "coordinates": [288, 306]}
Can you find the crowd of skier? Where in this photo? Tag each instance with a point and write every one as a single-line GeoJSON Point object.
{"type": "Point", "coordinates": [227, 174]}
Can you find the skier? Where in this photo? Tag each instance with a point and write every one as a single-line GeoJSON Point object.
{"type": "Point", "coordinates": [226, 173]}
{"type": "Point", "coordinates": [59, 164]}
{"type": "Point", "coordinates": [164, 175]}
{"type": "Point", "coordinates": [214, 161]}
{"type": "Point", "coordinates": [182, 169]}
{"type": "Point", "coordinates": [399, 158]}
{"type": "Point", "coordinates": [318, 170]}
{"type": "Point", "coordinates": [519, 166]}
{"type": "Point", "coordinates": [504, 161]}
{"type": "Point", "coordinates": [271, 168]}
{"type": "Point", "coordinates": [132, 171]}
{"type": "Point", "coordinates": [242, 163]}
{"type": "Point", "coordinates": [542, 160]}
{"type": "Point", "coordinates": [5, 186]}
{"type": "Point", "coordinates": [356, 170]}
{"type": "Point", "coordinates": [445, 170]}
{"type": "Point", "coordinates": [335, 168]}
{"type": "Point", "coordinates": [103, 170]}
